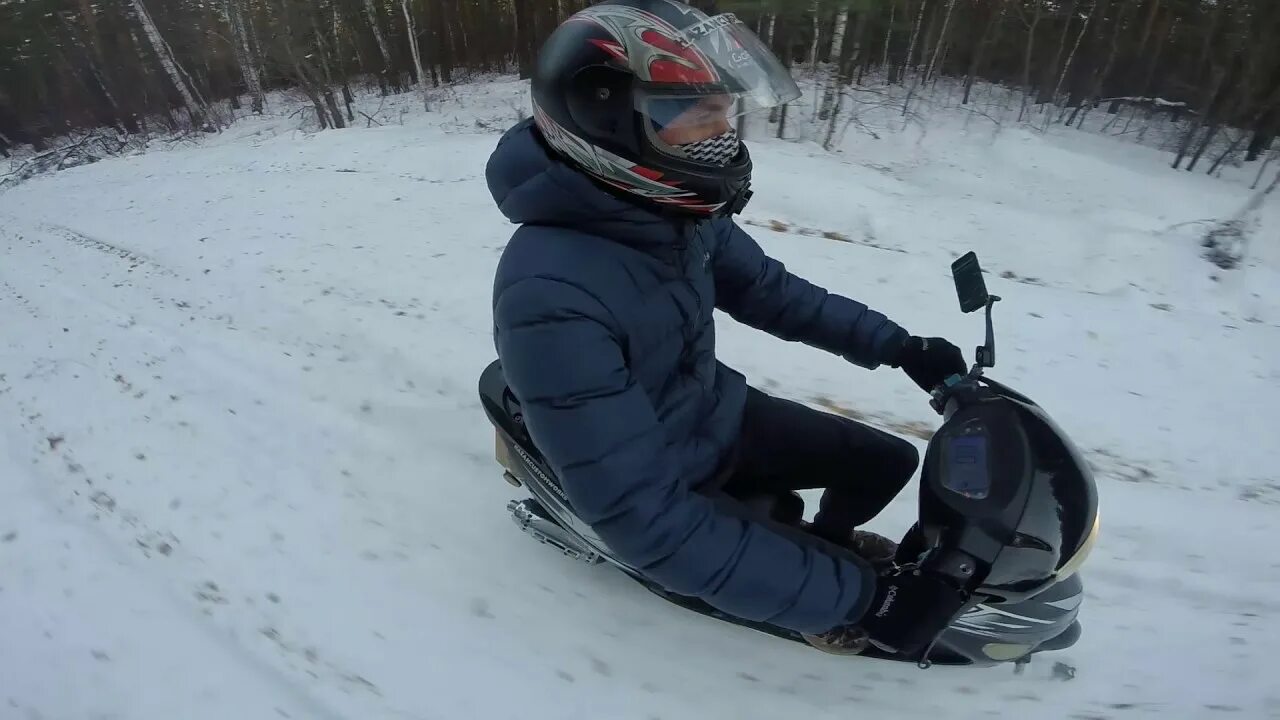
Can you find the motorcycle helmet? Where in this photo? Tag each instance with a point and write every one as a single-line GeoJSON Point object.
{"type": "Point", "coordinates": [642, 96]}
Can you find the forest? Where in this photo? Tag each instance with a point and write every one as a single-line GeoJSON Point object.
{"type": "Point", "coordinates": [142, 66]}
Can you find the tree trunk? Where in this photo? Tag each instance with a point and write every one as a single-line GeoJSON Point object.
{"type": "Point", "coordinates": [815, 9]}
{"type": "Point", "coordinates": [244, 58]}
{"type": "Point", "coordinates": [255, 48]}
{"type": "Point", "coordinates": [322, 50]}
{"type": "Point", "coordinates": [1148, 26]}
{"type": "Point", "coordinates": [915, 78]}
{"type": "Point", "coordinates": [915, 34]}
{"type": "Point", "coordinates": [1218, 76]}
{"type": "Point", "coordinates": [1261, 171]}
{"type": "Point", "coordinates": [888, 37]}
{"type": "Point", "coordinates": [1222, 158]}
{"type": "Point", "coordinates": [372, 13]}
{"type": "Point", "coordinates": [444, 58]}
{"type": "Point", "coordinates": [990, 36]}
{"type": "Point", "coordinates": [782, 38]}
{"type": "Point", "coordinates": [1066, 67]}
{"type": "Point", "coordinates": [1202, 62]}
{"type": "Point", "coordinates": [850, 55]}
{"type": "Point", "coordinates": [308, 87]}
{"type": "Point", "coordinates": [1258, 145]}
{"type": "Point", "coordinates": [524, 38]}
{"type": "Point", "coordinates": [1100, 76]}
{"type": "Point", "coordinates": [942, 37]}
{"type": "Point", "coordinates": [1169, 25]}
{"type": "Point", "coordinates": [195, 109]}
{"type": "Point", "coordinates": [836, 55]}
{"type": "Point", "coordinates": [1026, 62]}
{"type": "Point", "coordinates": [417, 55]}
{"type": "Point", "coordinates": [1052, 70]}
{"type": "Point", "coordinates": [1204, 145]}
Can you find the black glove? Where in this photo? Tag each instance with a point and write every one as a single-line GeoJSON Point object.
{"type": "Point", "coordinates": [929, 361]}
{"type": "Point", "coordinates": [909, 610]}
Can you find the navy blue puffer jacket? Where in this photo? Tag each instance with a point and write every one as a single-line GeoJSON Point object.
{"type": "Point", "coordinates": [603, 323]}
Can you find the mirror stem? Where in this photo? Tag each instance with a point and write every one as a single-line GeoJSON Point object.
{"type": "Point", "coordinates": [987, 353]}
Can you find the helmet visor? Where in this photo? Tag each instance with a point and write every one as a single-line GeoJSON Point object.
{"type": "Point", "coordinates": [715, 70]}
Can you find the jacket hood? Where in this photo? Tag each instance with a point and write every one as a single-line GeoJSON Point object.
{"type": "Point", "coordinates": [531, 184]}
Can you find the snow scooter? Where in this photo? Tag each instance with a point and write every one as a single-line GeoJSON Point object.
{"type": "Point", "coordinates": [1008, 511]}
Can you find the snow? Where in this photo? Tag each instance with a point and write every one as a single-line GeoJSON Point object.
{"type": "Point", "coordinates": [245, 472]}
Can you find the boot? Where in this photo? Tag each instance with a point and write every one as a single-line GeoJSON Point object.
{"type": "Point", "coordinates": [875, 549]}
{"type": "Point", "coordinates": [843, 640]}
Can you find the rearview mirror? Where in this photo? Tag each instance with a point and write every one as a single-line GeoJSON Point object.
{"type": "Point", "coordinates": [971, 288]}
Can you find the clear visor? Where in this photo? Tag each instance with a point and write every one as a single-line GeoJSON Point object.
{"type": "Point", "coordinates": [712, 72]}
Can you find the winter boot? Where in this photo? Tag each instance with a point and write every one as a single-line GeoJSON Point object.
{"type": "Point", "coordinates": [875, 549]}
{"type": "Point", "coordinates": [843, 640]}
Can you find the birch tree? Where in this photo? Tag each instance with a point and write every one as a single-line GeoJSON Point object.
{"type": "Point", "coordinates": [1026, 64]}
{"type": "Point", "coordinates": [244, 57]}
{"type": "Point", "coordinates": [837, 48]}
{"type": "Point", "coordinates": [888, 37]}
{"type": "Point", "coordinates": [815, 10]}
{"type": "Point", "coordinates": [915, 34]}
{"type": "Point", "coordinates": [417, 56]}
{"type": "Point", "coordinates": [942, 37]}
{"type": "Point", "coordinates": [376, 25]}
{"type": "Point", "coordinates": [1066, 66]}
{"type": "Point", "coordinates": [195, 107]}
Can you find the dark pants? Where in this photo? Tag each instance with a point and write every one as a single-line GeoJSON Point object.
{"type": "Point", "coordinates": [786, 446]}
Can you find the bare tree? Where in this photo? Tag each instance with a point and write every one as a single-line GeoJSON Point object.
{"type": "Point", "coordinates": [372, 13]}
{"type": "Point", "coordinates": [911, 48]}
{"type": "Point", "coordinates": [1262, 170]}
{"type": "Point", "coordinates": [1066, 66]}
{"type": "Point", "coordinates": [1101, 74]}
{"type": "Point", "coordinates": [942, 36]}
{"type": "Point", "coordinates": [835, 53]}
{"type": "Point", "coordinates": [1043, 93]}
{"type": "Point", "coordinates": [244, 57]}
{"type": "Point", "coordinates": [417, 56]}
{"type": "Point", "coordinates": [888, 36]}
{"type": "Point", "coordinates": [990, 35]}
{"type": "Point", "coordinates": [915, 34]}
{"type": "Point", "coordinates": [850, 55]}
{"type": "Point", "coordinates": [1219, 75]}
{"type": "Point", "coordinates": [195, 106]}
{"type": "Point", "coordinates": [815, 10]}
{"type": "Point", "coordinates": [1026, 64]}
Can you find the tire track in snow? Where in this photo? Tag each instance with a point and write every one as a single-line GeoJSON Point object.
{"type": "Point", "coordinates": [91, 492]}
{"type": "Point", "coordinates": [162, 587]}
{"type": "Point", "coordinates": [75, 237]}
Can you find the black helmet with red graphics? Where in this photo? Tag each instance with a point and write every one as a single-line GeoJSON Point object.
{"type": "Point", "coordinates": [643, 95]}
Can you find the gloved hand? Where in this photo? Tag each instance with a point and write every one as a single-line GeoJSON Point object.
{"type": "Point", "coordinates": [909, 610]}
{"type": "Point", "coordinates": [929, 361]}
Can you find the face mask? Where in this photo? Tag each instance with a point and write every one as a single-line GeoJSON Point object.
{"type": "Point", "coordinates": [719, 150]}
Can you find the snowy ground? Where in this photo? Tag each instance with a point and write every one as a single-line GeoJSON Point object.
{"type": "Point", "coordinates": [243, 470]}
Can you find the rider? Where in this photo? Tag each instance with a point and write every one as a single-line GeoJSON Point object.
{"type": "Point", "coordinates": [624, 184]}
